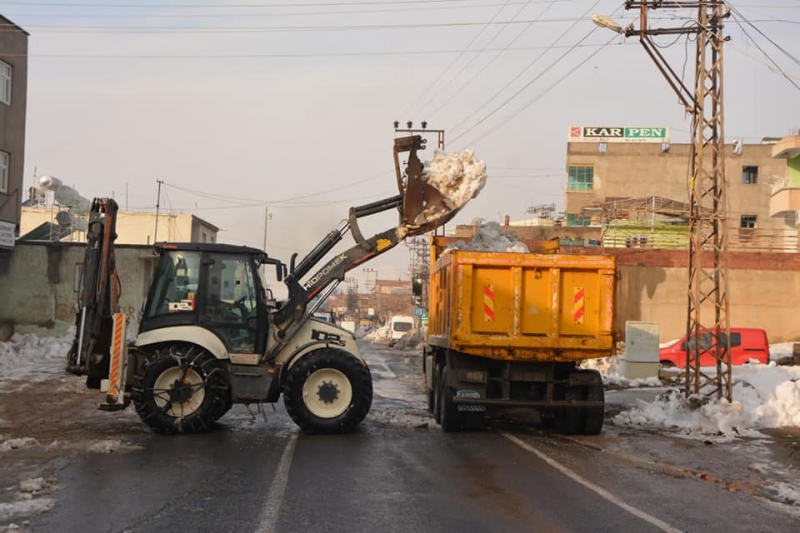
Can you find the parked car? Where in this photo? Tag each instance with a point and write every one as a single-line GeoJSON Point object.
{"type": "Point", "coordinates": [746, 344]}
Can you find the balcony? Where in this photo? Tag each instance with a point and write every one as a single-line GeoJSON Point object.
{"type": "Point", "coordinates": [787, 147]}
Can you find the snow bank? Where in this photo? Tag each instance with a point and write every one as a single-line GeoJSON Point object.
{"type": "Point", "coordinates": [382, 334]}
{"type": "Point", "coordinates": [765, 396]}
{"type": "Point", "coordinates": [458, 176]}
{"type": "Point", "coordinates": [16, 444]}
{"type": "Point", "coordinates": [28, 500]}
{"type": "Point", "coordinates": [490, 237]}
{"type": "Point", "coordinates": [31, 358]}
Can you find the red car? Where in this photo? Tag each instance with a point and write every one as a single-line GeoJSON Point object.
{"type": "Point", "coordinates": [746, 344]}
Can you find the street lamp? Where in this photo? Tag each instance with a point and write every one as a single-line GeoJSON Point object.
{"type": "Point", "coordinates": [605, 22]}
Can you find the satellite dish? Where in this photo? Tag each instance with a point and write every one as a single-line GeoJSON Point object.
{"type": "Point", "coordinates": [605, 22]}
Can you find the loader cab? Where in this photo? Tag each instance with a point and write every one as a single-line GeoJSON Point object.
{"type": "Point", "coordinates": [214, 286]}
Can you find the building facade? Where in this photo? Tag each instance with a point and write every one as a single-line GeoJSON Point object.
{"type": "Point", "coordinates": [13, 101]}
{"type": "Point", "coordinates": [645, 182]}
{"type": "Point", "coordinates": [132, 227]}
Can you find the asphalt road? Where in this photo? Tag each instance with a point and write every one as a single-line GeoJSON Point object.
{"type": "Point", "coordinates": [399, 472]}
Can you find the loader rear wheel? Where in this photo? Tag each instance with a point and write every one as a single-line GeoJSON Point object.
{"type": "Point", "coordinates": [181, 389]}
{"type": "Point", "coordinates": [328, 391]}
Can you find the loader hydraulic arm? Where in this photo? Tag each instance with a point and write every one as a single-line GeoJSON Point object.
{"type": "Point", "coordinates": [301, 294]}
{"type": "Point", "coordinates": [422, 208]}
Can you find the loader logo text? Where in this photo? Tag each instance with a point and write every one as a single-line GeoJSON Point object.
{"type": "Point", "coordinates": [325, 271]}
{"type": "Point", "coordinates": [324, 336]}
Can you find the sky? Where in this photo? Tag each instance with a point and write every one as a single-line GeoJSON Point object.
{"type": "Point", "coordinates": [252, 105]}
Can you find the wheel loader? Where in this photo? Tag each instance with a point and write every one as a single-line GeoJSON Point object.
{"type": "Point", "coordinates": [211, 334]}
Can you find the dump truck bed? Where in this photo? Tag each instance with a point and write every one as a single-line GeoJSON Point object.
{"type": "Point", "coordinates": [521, 306]}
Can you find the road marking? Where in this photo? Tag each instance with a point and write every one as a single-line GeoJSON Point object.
{"type": "Point", "coordinates": [663, 526]}
{"type": "Point", "coordinates": [269, 518]}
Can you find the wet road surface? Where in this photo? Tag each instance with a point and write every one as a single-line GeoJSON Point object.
{"type": "Point", "coordinates": [399, 472]}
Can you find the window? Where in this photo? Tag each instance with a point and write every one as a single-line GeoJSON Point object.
{"type": "Point", "coordinates": [580, 178]}
{"type": "Point", "coordinates": [5, 83]}
{"type": "Point", "coordinates": [575, 219]}
{"type": "Point", "coordinates": [750, 175]}
{"type": "Point", "coordinates": [748, 221]}
{"type": "Point", "coordinates": [4, 158]}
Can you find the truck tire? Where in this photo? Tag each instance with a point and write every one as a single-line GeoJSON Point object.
{"type": "Point", "coordinates": [328, 391]}
{"type": "Point", "coordinates": [181, 389]}
{"type": "Point", "coordinates": [593, 416]}
{"type": "Point", "coordinates": [449, 417]}
{"type": "Point", "coordinates": [437, 394]}
{"type": "Point", "coordinates": [569, 420]}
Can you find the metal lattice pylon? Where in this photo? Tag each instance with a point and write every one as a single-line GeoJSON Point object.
{"type": "Point", "coordinates": [708, 323]}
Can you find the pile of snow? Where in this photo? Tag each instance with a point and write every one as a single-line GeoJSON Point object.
{"type": "Point", "coordinates": [28, 500]}
{"type": "Point", "coordinates": [16, 444]}
{"type": "Point", "coordinates": [458, 176]}
{"type": "Point", "coordinates": [382, 334]}
{"type": "Point", "coordinates": [764, 396]}
{"type": "Point", "coordinates": [31, 358]}
{"type": "Point", "coordinates": [491, 237]}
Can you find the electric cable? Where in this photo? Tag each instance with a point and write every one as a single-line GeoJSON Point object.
{"type": "Point", "coordinates": [517, 112]}
{"type": "Point", "coordinates": [524, 70]}
{"type": "Point", "coordinates": [452, 63]}
{"type": "Point", "coordinates": [468, 83]}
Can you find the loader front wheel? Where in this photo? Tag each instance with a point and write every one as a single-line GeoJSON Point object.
{"type": "Point", "coordinates": [328, 391]}
{"type": "Point", "coordinates": [181, 389]}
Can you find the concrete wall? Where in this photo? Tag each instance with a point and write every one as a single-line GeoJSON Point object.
{"type": "Point", "coordinates": [653, 287]}
{"type": "Point", "coordinates": [14, 52]}
{"type": "Point", "coordinates": [39, 288]}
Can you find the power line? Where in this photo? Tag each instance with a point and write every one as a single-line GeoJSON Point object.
{"type": "Point", "coordinates": [523, 71]}
{"type": "Point", "coordinates": [263, 5]}
{"type": "Point", "coordinates": [491, 61]}
{"type": "Point", "coordinates": [452, 63]}
{"type": "Point", "coordinates": [89, 29]}
{"type": "Point", "coordinates": [517, 112]}
{"type": "Point", "coordinates": [766, 55]}
{"type": "Point", "coordinates": [278, 56]}
{"type": "Point", "coordinates": [472, 60]}
{"type": "Point", "coordinates": [776, 45]}
{"type": "Point", "coordinates": [360, 11]}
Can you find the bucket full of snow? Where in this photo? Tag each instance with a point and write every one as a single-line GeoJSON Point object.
{"type": "Point", "coordinates": [436, 191]}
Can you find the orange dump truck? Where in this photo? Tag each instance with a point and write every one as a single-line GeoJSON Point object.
{"type": "Point", "coordinates": [506, 331]}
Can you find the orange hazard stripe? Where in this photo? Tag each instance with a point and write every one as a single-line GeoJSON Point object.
{"type": "Point", "coordinates": [578, 305]}
{"type": "Point", "coordinates": [488, 303]}
{"type": "Point", "coordinates": [116, 355]}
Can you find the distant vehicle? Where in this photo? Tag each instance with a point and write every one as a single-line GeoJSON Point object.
{"type": "Point", "coordinates": [399, 325]}
{"type": "Point", "coordinates": [326, 316]}
{"type": "Point", "coordinates": [746, 344]}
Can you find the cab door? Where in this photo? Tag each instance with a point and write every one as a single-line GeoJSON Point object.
{"type": "Point", "coordinates": [230, 301]}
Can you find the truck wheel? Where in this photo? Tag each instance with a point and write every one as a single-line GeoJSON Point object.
{"type": "Point", "coordinates": [181, 389]}
{"type": "Point", "coordinates": [593, 416]}
{"type": "Point", "coordinates": [449, 417]}
{"type": "Point", "coordinates": [437, 400]}
{"type": "Point", "coordinates": [569, 420]}
{"type": "Point", "coordinates": [328, 391]}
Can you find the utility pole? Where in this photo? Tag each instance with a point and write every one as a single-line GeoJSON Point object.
{"type": "Point", "coordinates": [158, 206]}
{"type": "Point", "coordinates": [708, 302]}
{"type": "Point", "coordinates": [410, 129]}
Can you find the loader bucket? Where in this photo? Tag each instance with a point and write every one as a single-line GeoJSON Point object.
{"type": "Point", "coordinates": [425, 208]}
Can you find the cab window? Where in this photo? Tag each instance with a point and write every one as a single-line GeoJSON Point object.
{"type": "Point", "coordinates": [176, 282]}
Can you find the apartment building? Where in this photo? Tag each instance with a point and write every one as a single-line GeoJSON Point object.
{"type": "Point", "coordinates": [13, 100]}
{"type": "Point", "coordinates": [635, 178]}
